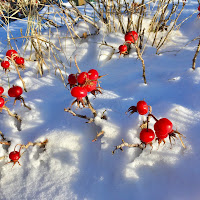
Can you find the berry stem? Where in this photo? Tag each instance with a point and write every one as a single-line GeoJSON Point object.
{"type": "Point", "coordinates": [151, 115]}
{"type": "Point", "coordinates": [90, 106]}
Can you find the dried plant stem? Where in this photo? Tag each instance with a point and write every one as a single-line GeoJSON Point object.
{"type": "Point", "coordinates": [5, 143]}
{"type": "Point", "coordinates": [40, 144]}
{"type": "Point", "coordinates": [125, 144]}
{"type": "Point", "coordinates": [11, 114]}
{"type": "Point", "coordinates": [78, 115]}
{"type": "Point", "coordinates": [98, 135]}
{"type": "Point", "coordinates": [17, 69]}
{"type": "Point", "coordinates": [165, 38]}
{"type": "Point", "coordinates": [142, 60]}
{"type": "Point", "coordinates": [2, 157]}
{"type": "Point", "coordinates": [2, 135]}
{"type": "Point", "coordinates": [79, 14]}
{"type": "Point", "coordinates": [195, 56]}
{"type": "Point", "coordinates": [94, 112]}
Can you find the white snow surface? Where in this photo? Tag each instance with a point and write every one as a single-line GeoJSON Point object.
{"type": "Point", "coordinates": [72, 166]}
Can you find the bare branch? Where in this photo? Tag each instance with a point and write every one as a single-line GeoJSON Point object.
{"type": "Point", "coordinates": [125, 144]}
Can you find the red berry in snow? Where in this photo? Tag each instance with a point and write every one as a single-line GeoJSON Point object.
{"type": "Point", "coordinates": [15, 91]}
{"type": "Point", "coordinates": [163, 127]}
{"type": "Point", "coordinates": [160, 135]}
{"type": "Point", "coordinates": [1, 90]}
{"type": "Point", "coordinates": [142, 107]}
{"type": "Point", "coordinates": [78, 92]}
{"type": "Point", "coordinates": [122, 49]}
{"type": "Point", "coordinates": [72, 79]}
{"type": "Point", "coordinates": [19, 60]}
{"type": "Point", "coordinates": [199, 8]}
{"type": "Point", "coordinates": [2, 101]}
{"type": "Point", "coordinates": [11, 92]}
{"type": "Point", "coordinates": [91, 86]}
{"type": "Point", "coordinates": [82, 77]}
{"type": "Point", "coordinates": [11, 54]}
{"type": "Point", "coordinates": [5, 64]}
{"type": "Point", "coordinates": [147, 135]}
{"type": "Point", "coordinates": [93, 74]}
{"type": "Point", "coordinates": [129, 39]}
{"type": "Point", "coordinates": [14, 156]}
{"type": "Point", "coordinates": [134, 35]}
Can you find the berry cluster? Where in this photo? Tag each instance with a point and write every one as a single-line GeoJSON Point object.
{"type": "Point", "coordinates": [82, 83]}
{"type": "Point", "coordinates": [13, 56]}
{"type": "Point", "coordinates": [163, 128]}
{"type": "Point", "coordinates": [130, 37]}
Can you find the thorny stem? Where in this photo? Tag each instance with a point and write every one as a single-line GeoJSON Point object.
{"type": "Point", "coordinates": [195, 56]}
{"type": "Point", "coordinates": [125, 144]}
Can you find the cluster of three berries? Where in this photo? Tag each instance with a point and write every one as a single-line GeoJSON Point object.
{"type": "Point", "coordinates": [162, 127]}
{"type": "Point", "coordinates": [12, 54]}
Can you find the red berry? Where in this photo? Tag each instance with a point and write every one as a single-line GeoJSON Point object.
{"type": "Point", "coordinates": [134, 35]}
{"type": "Point", "coordinates": [11, 92]}
{"type": "Point", "coordinates": [78, 92]}
{"type": "Point", "coordinates": [5, 64]}
{"type": "Point", "coordinates": [1, 90]}
{"type": "Point", "coordinates": [1, 102]}
{"type": "Point", "coordinates": [160, 135]}
{"type": "Point", "coordinates": [14, 156]}
{"type": "Point", "coordinates": [19, 60]}
{"type": "Point", "coordinates": [82, 77]}
{"type": "Point", "coordinates": [129, 39]}
{"type": "Point", "coordinates": [92, 86]}
{"type": "Point", "coordinates": [163, 127]}
{"type": "Point", "coordinates": [15, 91]}
{"type": "Point", "coordinates": [11, 53]}
{"type": "Point", "coordinates": [122, 48]}
{"type": "Point", "coordinates": [72, 79]}
{"type": "Point", "coordinates": [93, 74]}
{"type": "Point", "coordinates": [199, 8]}
{"type": "Point", "coordinates": [142, 107]}
{"type": "Point", "coordinates": [147, 135]}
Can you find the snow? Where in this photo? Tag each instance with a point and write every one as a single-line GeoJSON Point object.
{"type": "Point", "coordinates": [72, 166]}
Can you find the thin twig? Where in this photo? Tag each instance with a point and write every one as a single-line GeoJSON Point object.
{"type": "Point", "coordinates": [78, 115]}
{"type": "Point", "coordinates": [125, 144]}
{"type": "Point", "coordinates": [98, 135]}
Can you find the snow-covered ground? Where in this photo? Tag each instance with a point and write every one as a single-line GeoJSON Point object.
{"type": "Point", "coordinates": [74, 167]}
